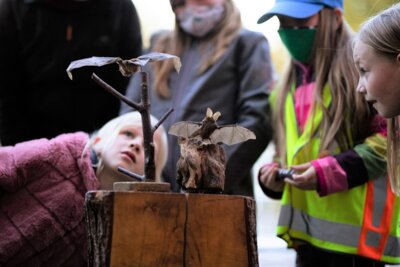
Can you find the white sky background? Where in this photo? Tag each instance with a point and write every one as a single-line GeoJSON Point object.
{"type": "Point", "coordinates": [157, 14]}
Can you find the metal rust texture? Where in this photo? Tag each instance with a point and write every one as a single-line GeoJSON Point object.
{"type": "Point", "coordinates": [201, 167]}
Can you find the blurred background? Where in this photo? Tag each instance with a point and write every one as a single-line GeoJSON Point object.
{"type": "Point", "coordinates": [157, 14]}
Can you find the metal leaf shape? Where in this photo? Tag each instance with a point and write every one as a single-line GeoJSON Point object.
{"type": "Point", "coordinates": [126, 67]}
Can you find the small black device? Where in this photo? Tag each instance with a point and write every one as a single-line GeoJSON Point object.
{"type": "Point", "coordinates": [284, 173]}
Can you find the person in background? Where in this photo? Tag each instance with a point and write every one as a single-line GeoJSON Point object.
{"type": "Point", "coordinates": [377, 57]}
{"type": "Point", "coordinates": [43, 184]}
{"type": "Point", "coordinates": [39, 38]}
{"type": "Point", "coordinates": [224, 67]}
{"type": "Point", "coordinates": [337, 207]}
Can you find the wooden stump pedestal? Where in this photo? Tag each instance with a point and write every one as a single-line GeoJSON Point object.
{"type": "Point", "coordinates": [170, 229]}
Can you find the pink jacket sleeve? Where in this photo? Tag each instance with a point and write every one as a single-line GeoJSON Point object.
{"type": "Point", "coordinates": [22, 163]}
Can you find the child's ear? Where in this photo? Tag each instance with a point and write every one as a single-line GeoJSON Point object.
{"type": "Point", "coordinates": [96, 140]}
{"type": "Point", "coordinates": [97, 148]}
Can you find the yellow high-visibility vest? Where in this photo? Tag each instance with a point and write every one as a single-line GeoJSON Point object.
{"type": "Point", "coordinates": [363, 220]}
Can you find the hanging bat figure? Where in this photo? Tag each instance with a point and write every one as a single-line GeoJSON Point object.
{"type": "Point", "coordinates": [208, 131]}
{"type": "Point", "coordinates": [201, 165]}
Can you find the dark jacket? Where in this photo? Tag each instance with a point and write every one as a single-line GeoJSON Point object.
{"type": "Point", "coordinates": [236, 85]}
{"type": "Point", "coordinates": [39, 38]}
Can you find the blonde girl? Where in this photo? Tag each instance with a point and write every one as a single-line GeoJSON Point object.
{"type": "Point", "coordinates": [377, 56]}
{"type": "Point", "coordinates": [43, 185]}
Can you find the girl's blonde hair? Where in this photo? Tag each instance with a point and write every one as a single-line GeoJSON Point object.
{"type": "Point", "coordinates": [177, 41]}
{"type": "Point", "coordinates": [382, 33]}
{"type": "Point", "coordinates": [333, 65]}
{"type": "Point", "coordinates": [109, 132]}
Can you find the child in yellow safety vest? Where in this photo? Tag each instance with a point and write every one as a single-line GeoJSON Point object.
{"type": "Point", "coordinates": [337, 205]}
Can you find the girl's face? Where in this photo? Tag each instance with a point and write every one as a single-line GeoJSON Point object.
{"type": "Point", "coordinates": [126, 152]}
{"type": "Point", "coordinates": [379, 79]}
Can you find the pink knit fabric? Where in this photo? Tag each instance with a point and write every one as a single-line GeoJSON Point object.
{"type": "Point", "coordinates": [42, 189]}
{"type": "Point", "coordinates": [331, 177]}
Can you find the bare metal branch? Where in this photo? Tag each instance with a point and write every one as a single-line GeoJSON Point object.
{"type": "Point", "coordinates": [162, 119]}
{"type": "Point", "coordinates": [131, 174]}
{"type": "Point", "coordinates": [115, 93]}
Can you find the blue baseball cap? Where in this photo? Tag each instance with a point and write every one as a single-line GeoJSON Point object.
{"type": "Point", "coordinates": [299, 9]}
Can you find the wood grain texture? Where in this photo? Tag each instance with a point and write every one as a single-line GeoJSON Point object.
{"type": "Point", "coordinates": [99, 217]}
{"type": "Point", "coordinates": [142, 186]}
{"type": "Point", "coordinates": [148, 229]}
{"type": "Point", "coordinates": [220, 232]}
{"type": "Point", "coordinates": [170, 229]}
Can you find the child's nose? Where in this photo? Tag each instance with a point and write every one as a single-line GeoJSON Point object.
{"type": "Point", "coordinates": [135, 146]}
{"type": "Point", "coordinates": [360, 87]}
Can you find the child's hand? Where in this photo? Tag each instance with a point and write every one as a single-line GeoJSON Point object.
{"type": "Point", "coordinates": [268, 177]}
{"type": "Point", "coordinates": [305, 177]}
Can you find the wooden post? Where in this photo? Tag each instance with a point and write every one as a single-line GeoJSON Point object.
{"type": "Point", "coordinates": [170, 229]}
{"type": "Point", "coordinates": [221, 231]}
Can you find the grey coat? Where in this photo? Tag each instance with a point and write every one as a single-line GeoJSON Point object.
{"type": "Point", "coordinates": [237, 86]}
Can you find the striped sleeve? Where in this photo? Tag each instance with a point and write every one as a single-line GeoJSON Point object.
{"type": "Point", "coordinates": [366, 161]}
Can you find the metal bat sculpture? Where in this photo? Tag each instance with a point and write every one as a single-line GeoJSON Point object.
{"type": "Point", "coordinates": [201, 165]}
{"type": "Point", "coordinates": [210, 132]}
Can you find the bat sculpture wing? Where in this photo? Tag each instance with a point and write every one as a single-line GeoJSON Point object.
{"type": "Point", "coordinates": [91, 61]}
{"type": "Point", "coordinates": [184, 128]}
{"type": "Point", "coordinates": [228, 134]}
{"type": "Point", "coordinates": [126, 67]}
{"type": "Point", "coordinates": [231, 134]}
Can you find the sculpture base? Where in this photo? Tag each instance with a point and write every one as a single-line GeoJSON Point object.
{"type": "Point", "coordinates": [142, 186]}
{"type": "Point", "coordinates": [170, 229]}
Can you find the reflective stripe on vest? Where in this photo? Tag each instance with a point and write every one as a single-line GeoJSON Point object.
{"type": "Point", "coordinates": [369, 239]}
{"type": "Point", "coordinates": [357, 221]}
{"type": "Point", "coordinates": [376, 222]}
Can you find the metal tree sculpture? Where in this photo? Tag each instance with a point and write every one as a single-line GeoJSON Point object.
{"type": "Point", "coordinates": [127, 68]}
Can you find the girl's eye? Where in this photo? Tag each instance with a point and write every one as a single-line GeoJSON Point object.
{"type": "Point", "coordinates": [361, 70]}
{"type": "Point", "coordinates": [128, 134]}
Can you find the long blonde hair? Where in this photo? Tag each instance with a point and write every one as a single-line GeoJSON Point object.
{"type": "Point", "coordinates": [382, 33]}
{"type": "Point", "coordinates": [333, 65]}
{"type": "Point", "coordinates": [177, 41]}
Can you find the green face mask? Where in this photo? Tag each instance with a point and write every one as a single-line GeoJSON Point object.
{"type": "Point", "coordinates": [299, 42]}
